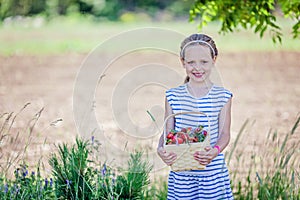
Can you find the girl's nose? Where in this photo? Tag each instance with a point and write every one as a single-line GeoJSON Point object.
{"type": "Point", "coordinates": [197, 67]}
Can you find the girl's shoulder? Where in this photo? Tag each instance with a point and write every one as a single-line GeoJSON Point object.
{"type": "Point", "coordinates": [178, 89]}
{"type": "Point", "coordinates": [221, 90]}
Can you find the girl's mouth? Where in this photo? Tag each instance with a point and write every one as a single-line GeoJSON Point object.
{"type": "Point", "coordinates": [198, 75]}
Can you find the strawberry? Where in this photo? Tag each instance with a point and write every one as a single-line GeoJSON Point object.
{"type": "Point", "coordinates": [183, 130]}
{"type": "Point", "coordinates": [183, 136]}
{"type": "Point", "coordinates": [180, 140]}
{"type": "Point", "coordinates": [205, 133]}
{"type": "Point", "coordinates": [169, 141]}
{"type": "Point", "coordinates": [173, 140]}
{"type": "Point", "coordinates": [170, 135]}
{"type": "Point", "coordinates": [195, 139]}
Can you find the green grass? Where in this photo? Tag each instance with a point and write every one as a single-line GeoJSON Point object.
{"type": "Point", "coordinates": [81, 35]}
{"type": "Point", "coordinates": [272, 167]}
{"type": "Point", "coordinates": [76, 173]}
{"type": "Point", "coordinates": [269, 172]}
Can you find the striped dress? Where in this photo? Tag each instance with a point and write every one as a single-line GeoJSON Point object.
{"type": "Point", "coordinates": [213, 182]}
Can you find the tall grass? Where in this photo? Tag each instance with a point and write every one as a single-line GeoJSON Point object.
{"type": "Point", "coordinates": [76, 172]}
{"type": "Point", "coordinates": [24, 184]}
{"type": "Point", "coordinates": [75, 177]}
{"type": "Point", "coordinates": [10, 138]}
{"type": "Point", "coordinates": [271, 170]}
{"type": "Point", "coordinates": [268, 171]}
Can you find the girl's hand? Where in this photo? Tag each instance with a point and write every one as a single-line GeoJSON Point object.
{"type": "Point", "coordinates": [168, 158]}
{"type": "Point", "coordinates": [205, 157]}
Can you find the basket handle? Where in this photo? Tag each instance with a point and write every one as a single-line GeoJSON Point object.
{"type": "Point", "coordinates": [183, 113]}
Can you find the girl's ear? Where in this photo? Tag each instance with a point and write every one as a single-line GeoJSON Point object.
{"type": "Point", "coordinates": [214, 59]}
{"type": "Point", "coordinates": [182, 61]}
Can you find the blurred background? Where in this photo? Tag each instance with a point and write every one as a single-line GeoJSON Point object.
{"type": "Point", "coordinates": [102, 10]}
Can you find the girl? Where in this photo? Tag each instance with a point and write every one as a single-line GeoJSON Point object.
{"type": "Point", "coordinates": [198, 56]}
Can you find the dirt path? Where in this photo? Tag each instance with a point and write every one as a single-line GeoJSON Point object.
{"type": "Point", "coordinates": [265, 87]}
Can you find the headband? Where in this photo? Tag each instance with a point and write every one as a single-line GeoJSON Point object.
{"type": "Point", "coordinates": [197, 41]}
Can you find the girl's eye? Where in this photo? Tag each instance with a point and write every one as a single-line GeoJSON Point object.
{"type": "Point", "coordinates": [204, 61]}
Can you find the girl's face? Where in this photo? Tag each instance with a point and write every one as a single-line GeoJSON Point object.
{"type": "Point", "coordinates": [198, 63]}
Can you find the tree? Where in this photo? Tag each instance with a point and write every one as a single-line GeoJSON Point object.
{"type": "Point", "coordinates": [21, 7]}
{"type": "Point", "coordinates": [259, 15]}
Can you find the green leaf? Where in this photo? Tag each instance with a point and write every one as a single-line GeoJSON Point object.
{"type": "Point", "coordinates": [263, 31]}
{"type": "Point", "coordinates": [258, 27]}
{"type": "Point", "coordinates": [260, 14]}
{"type": "Point", "coordinates": [296, 29]}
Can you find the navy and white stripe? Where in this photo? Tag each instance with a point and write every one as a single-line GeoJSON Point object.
{"type": "Point", "coordinates": [213, 182]}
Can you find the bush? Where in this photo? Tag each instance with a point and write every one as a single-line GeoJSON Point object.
{"type": "Point", "coordinates": [26, 185]}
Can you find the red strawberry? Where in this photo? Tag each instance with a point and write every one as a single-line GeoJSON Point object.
{"type": "Point", "coordinates": [170, 136]}
{"type": "Point", "coordinates": [183, 130]}
{"type": "Point", "coordinates": [180, 140]}
{"type": "Point", "coordinates": [173, 140]}
{"type": "Point", "coordinates": [183, 136]}
{"type": "Point", "coordinates": [205, 133]}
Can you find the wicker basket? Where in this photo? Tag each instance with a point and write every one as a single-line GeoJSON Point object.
{"type": "Point", "coordinates": [185, 160]}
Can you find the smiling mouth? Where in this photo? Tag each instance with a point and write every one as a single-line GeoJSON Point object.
{"type": "Point", "coordinates": [198, 75]}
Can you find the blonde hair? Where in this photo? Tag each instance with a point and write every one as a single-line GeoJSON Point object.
{"type": "Point", "coordinates": [200, 39]}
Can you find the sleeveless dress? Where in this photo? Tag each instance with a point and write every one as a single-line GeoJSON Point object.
{"type": "Point", "coordinates": [212, 182]}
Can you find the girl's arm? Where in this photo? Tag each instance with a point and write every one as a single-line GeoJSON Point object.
{"type": "Point", "coordinates": [168, 157]}
{"type": "Point", "coordinates": [170, 122]}
{"type": "Point", "coordinates": [205, 157]}
{"type": "Point", "coordinates": [224, 126]}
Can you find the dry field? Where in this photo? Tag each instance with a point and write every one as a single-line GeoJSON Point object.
{"type": "Point", "coordinates": [266, 88]}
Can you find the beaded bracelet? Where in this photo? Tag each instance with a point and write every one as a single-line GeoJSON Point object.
{"type": "Point", "coordinates": [217, 147]}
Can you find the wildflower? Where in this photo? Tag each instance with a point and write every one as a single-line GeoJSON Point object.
{"type": "Point", "coordinates": [16, 189]}
{"type": "Point", "coordinates": [17, 173]}
{"type": "Point", "coordinates": [68, 183]}
{"type": "Point", "coordinates": [46, 182]}
{"type": "Point", "coordinates": [103, 171]}
{"type": "Point", "coordinates": [113, 178]}
{"type": "Point", "coordinates": [32, 173]}
{"type": "Point", "coordinates": [93, 139]}
{"type": "Point", "coordinates": [25, 173]}
{"type": "Point", "coordinates": [113, 181]}
{"type": "Point", "coordinates": [51, 182]}
{"type": "Point", "coordinates": [5, 188]}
